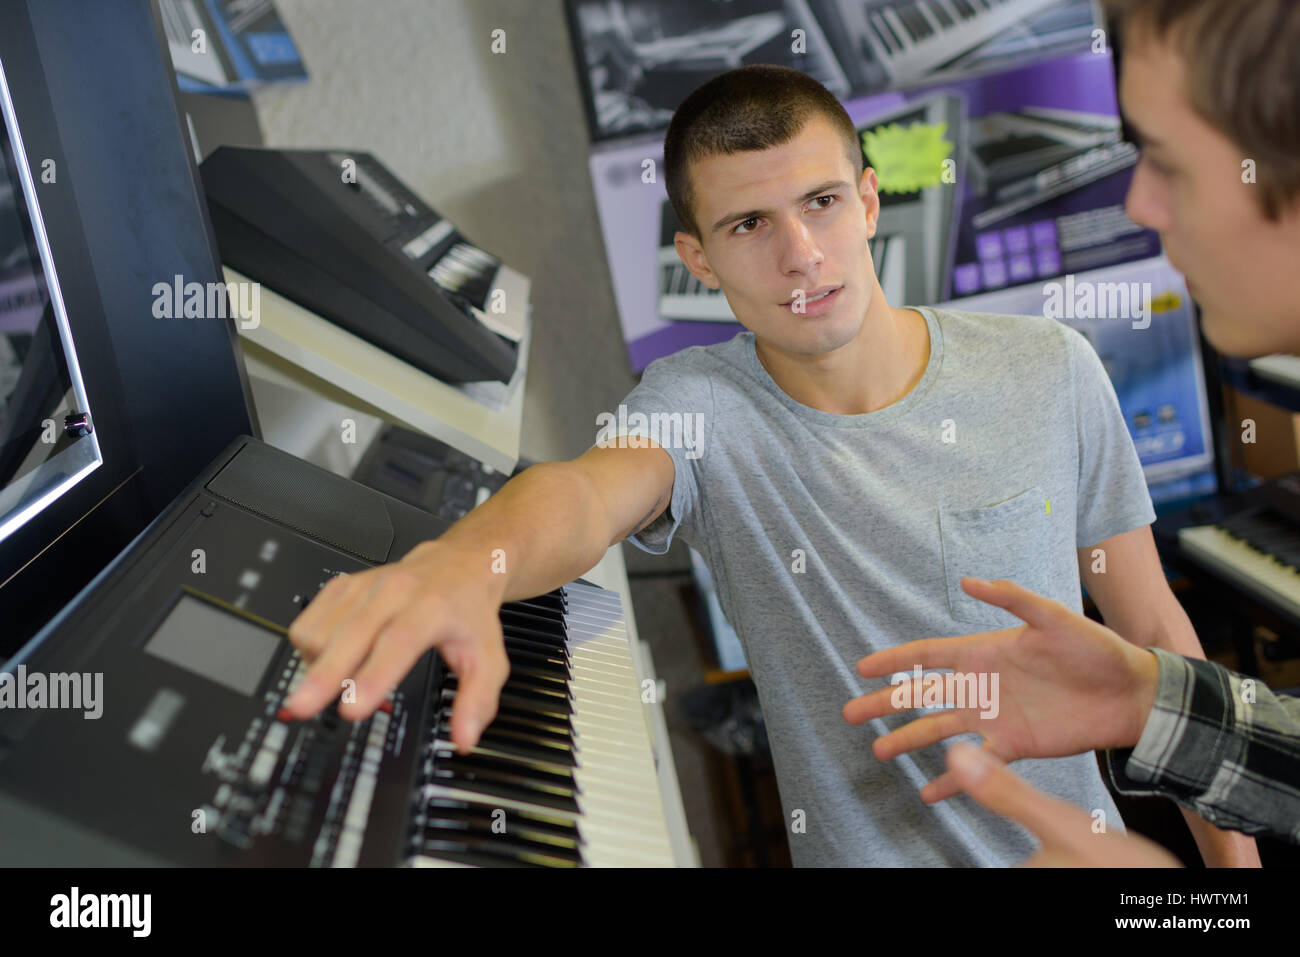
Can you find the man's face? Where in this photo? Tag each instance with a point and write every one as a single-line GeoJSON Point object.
{"type": "Point", "coordinates": [783, 220]}
{"type": "Point", "coordinates": [1243, 270]}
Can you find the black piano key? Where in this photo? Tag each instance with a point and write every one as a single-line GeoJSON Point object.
{"type": "Point", "coordinates": [536, 631]}
{"type": "Point", "coordinates": [940, 14]}
{"type": "Point", "coordinates": [545, 709]}
{"type": "Point", "coordinates": [485, 811]}
{"type": "Point", "coordinates": [540, 619]}
{"type": "Point", "coordinates": [524, 689]}
{"type": "Point", "coordinates": [547, 685]}
{"type": "Point", "coordinates": [512, 720]}
{"type": "Point", "coordinates": [547, 648]}
{"type": "Point", "coordinates": [528, 716]}
{"type": "Point", "coordinates": [540, 608]}
{"type": "Point", "coordinates": [518, 845]}
{"type": "Point", "coordinates": [964, 9]}
{"type": "Point", "coordinates": [885, 32]}
{"type": "Point", "coordinates": [504, 730]}
{"type": "Point", "coordinates": [452, 825]}
{"type": "Point", "coordinates": [542, 676]}
{"type": "Point", "coordinates": [914, 20]}
{"type": "Point", "coordinates": [516, 837]}
{"type": "Point", "coordinates": [556, 671]}
{"type": "Point", "coordinates": [528, 746]}
{"type": "Point", "coordinates": [552, 601]}
{"type": "Point", "coordinates": [555, 745]}
{"type": "Point", "coordinates": [535, 636]}
{"type": "Point", "coordinates": [462, 852]}
{"type": "Point", "coordinates": [515, 761]}
{"type": "Point", "coordinates": [551, 664]}
{"type": "Point", "coordinates": [514, 771]}
{"type": "Point", "coordinates": [510, 787]}
{"type": "Point", "coordinates": [485, 807]}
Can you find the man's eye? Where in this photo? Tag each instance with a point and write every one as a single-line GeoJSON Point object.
{"type": "Point", "coordinates": [828, 196]}
{"type": "Point", "coordinates": [738, 225]}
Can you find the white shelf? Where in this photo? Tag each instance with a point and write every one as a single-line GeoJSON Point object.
{"type": "Point", "coordinates": [295, 349]}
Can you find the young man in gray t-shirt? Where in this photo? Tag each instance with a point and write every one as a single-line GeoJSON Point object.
{"type": "Point", "coordinates": [844, 463]}
{"type": "Point", "coordinates": [833, 536]}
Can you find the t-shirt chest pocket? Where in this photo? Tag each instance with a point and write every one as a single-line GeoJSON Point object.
{"type": "Point", "coordinates": [1005, 540]}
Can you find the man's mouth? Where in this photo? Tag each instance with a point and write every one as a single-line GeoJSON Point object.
{"type": "Point", "coordinates": [816, 295]}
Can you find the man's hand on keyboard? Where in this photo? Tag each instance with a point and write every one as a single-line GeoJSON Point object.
{"type": "Point", "coordinates": [373, 626]}
{"type": "Point", "coordinates": [1066, 685]}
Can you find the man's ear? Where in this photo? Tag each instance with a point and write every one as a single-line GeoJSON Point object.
{"type": "Point", "coordinates": [868, 189]}
{"type": "Point", "coordinates": [692, 256]}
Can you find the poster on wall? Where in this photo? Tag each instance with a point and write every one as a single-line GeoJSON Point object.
{"type": "Point", "coordinates": [638, 59]}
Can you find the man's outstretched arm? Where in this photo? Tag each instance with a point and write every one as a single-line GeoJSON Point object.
{"type": "Point", "coordinates": [544, 528]}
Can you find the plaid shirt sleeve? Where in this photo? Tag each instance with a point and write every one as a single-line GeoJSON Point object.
{"type": "Point", "coordinates": [1221, 745]}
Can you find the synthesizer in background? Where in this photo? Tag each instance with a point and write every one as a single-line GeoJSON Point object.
{"type": "Point", "coordinates": [894, 44]}
{"type": "Point", "coordinates": [424, 472]}
{"type": "Point", "coordinates": [192, 760]}
{"type": "Point", "coordinates": [1258, 547]}
{"type": "Point", "coordinates": [338, 233]}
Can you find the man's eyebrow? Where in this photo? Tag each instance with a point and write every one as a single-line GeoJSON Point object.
{"type": "Point", "coordinates": [820, 188]}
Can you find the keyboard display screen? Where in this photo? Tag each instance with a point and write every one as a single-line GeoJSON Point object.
{"type": "Point", "coordinates": [212, 643]}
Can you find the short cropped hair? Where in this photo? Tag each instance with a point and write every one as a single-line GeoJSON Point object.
{"type": "Point", "coordinates": [753, 107]}
{"type": "Point", "coordinates": [1243, 76]}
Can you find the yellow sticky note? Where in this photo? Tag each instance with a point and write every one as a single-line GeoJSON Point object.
{"type": "Point", "coordinates": [907, 158]}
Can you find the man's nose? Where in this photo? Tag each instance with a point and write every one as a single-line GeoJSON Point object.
{"type": "Point", "coordinates": [801, 252]}
{"type": "Point", "coordinates": [1142, 203]}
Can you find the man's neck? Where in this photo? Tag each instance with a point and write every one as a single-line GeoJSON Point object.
{"type": "Point", "coordinates": [878, 368]}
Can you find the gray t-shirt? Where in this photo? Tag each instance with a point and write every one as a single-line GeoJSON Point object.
{"type": "Point", "coordinates": [833, 536]}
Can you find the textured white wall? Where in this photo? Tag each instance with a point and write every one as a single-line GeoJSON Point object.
{"type": "Point", "coordinates": [496, 142]}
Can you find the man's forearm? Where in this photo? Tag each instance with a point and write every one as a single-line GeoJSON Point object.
{"type": "Point", "coordinates": [1220, 848]}
{"type": "Point", "coordinates": [1160, 623]}
{"type": "Point", "coordinates": [544, 528]}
